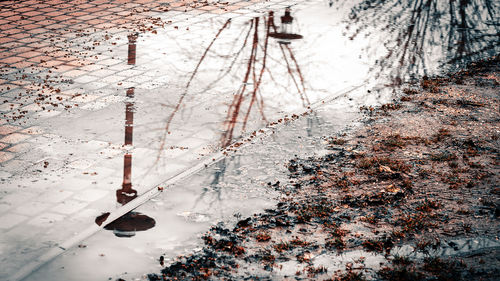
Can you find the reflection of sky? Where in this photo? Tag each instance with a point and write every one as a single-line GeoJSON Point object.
{"type": "Point", "coordinates": [330, 60]}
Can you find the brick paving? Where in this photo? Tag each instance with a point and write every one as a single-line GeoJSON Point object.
{"type": "Point", "coordinates": [43, 56]}
{"type": "Point", "coordinates": [41, 43]}
{"type": "Point", "coordinates": [68, 59]}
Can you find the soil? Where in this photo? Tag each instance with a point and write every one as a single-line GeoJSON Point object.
{"type": "Point", "coordinates": [419, 171]}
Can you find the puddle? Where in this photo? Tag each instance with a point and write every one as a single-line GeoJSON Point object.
{"type": "Point", "coordinates": [358, 259]}
{"type": "Point", "coordinates": [456, 247]}
{"type": "Point", "coordinates": [235, 187]}
{"type": "Point", "coordinates": [368, 263]}
{"type": "Point", "coordinates": [184, 93]}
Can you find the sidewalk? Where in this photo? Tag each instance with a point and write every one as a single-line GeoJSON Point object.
{"type": "Point", "coordinates": [72, 75]}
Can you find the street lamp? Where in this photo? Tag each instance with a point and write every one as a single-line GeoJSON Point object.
{"type": "Point", "coordinates": [286, 33]}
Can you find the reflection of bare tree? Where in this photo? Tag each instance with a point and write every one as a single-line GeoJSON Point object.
{"type": "Point", "coordinates": [458, 247]}
{"type": "Point", "coordinates": [183, 95]}
{"type": "Point", "coordinates": [248, 94]}
{"type": "Point", "coordinates": [246, 61]}
{"type": "Point", "coordinates": [254, 51]}
{"type": "Point", "coordinates": [213, 193]}
{"type": "Point", "coordinates": [412, 29]}
{"type": "Point", "coordinates": [256, 77]}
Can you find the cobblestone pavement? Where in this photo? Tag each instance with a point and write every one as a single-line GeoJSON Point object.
{"type": "Point", "coordinates": [69, 71]}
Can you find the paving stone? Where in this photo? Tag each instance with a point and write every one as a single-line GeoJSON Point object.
{"type": "Point", "coordinates": [74, 73]}
{"type": "Point", "coordinates": [112, 79]}
{"type": "Point", "coordinates": [80, 164]}
{"type": "Point", "coordinates": [68, 207]}
{"type": "Point", "coordinates": [84, 98]}
{"type": "Point", "coordinates": [9, 220]}
{"type": "Point", "coordinates": [46, 220]}
{"type": "Point", "coordinates": [4, 175]}
{"type": "Point", "coordinates": [76, 184]}
{"type": "Point", "coordinates": [5, 156]}
{"type": "Point", "coordinates": [32, 208]}
{"type": "Point", "coordinates": [113, 99]}
{"type": "Point", "coordinates": [35, 130]}
{"type": "Point", "coordinates": [13, 166]}
{"type": "Point", "coordinates": [4, 208]}
{"type": "Point", "coordinates": [7, 107]}
{"type": "Point", "coordinates": [85, 79]}
{"type": "Point", "coordinates": [95, 172]}
{"type": "Point", "coordinates": [96, 105]}
{"type": "Point", "coordinates": [90, 194]}
{"type": "Point", "coordinates": [87, 213]}
{"type": "Point", "coordinates": [54, 196]}
{"type": "Point", "coordinates": [14, 138]}
{"type": "Point", "coordinates": [34, 107]}
{"type": "Point", "coordinates": [12, 60]}
{"type": "Point", "coordinates": [62, 68]}
{"type": "Point", "coordinates": [96, 85]}
{"type": "Point", "coordinates": [18, 148]}
{"type": "Point", "coordinates": [8, 129]}
{"type": "Point", "coordinates": [17, 198]}
{"type": "Point", "coordinates": [46, 114]}
{"type": "Point", "coordinates": [110, 152]}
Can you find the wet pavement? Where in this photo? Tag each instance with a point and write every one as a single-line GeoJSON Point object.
{"type": "Point", "coordinates": [235, 187]}
{"type": "Point", "coordinates": [107, 105]}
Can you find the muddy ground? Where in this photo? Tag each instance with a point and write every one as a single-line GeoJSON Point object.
{"type": "Point", "coordinates": [421, 171]}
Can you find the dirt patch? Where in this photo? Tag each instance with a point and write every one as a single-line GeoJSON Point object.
{"type": "Point", "coordinates": [421, 170]}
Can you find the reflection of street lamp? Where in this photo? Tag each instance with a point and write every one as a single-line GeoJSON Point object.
{"type": "Point", "coordinates": [285, 35]}
{"type": "Point", "coordinates": [128, 224]}
{"type": "Point", "coordinates": [132, 39]}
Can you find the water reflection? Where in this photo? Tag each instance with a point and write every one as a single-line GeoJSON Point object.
{"type": "Point", "coordinates": [128, 224]}
{"type": "Point", "coordinates": [286, 33]}
{"type": "Point", "coordinates": [245, 63]}
{"type": "Point", "coordinates": [456, 247]}
{"type": "Point", "coordinates": [248, 95]}
{"type": "Point", "coordinates": [419, 33]}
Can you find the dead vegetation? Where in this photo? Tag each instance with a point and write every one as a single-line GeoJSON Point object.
{"type": "Point", "coordinates": [427, 174]}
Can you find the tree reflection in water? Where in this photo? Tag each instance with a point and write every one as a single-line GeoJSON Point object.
{"type": "Point", "coordinates": [256, 45]}
{"type": "Point", "coordinates": [416, 32]}
{"type": "Point", "coordinates": [249, 50]}
{"type": "Point", "coordinates": [409, 38]}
